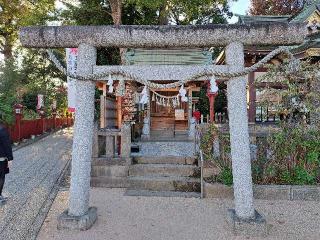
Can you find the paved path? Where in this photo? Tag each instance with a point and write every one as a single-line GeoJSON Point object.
{"type": "Point", "coordinates": [123, 217]}
{"type": "Point", "coordinates": [33, 177]}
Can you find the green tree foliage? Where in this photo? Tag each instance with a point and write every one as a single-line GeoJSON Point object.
{"type": "Point", "coordinates": [143, 12]}
{"type": "Point", "coordinates": [188, 12]}
{"type": "Point", "coordinates": [299, 99]}
{"type": "Point", "coordinates": [10, 80]}
{"type": "Point", "coordinates": [40, 76]}
{"type": "Point", "coordinates": [17, 13]}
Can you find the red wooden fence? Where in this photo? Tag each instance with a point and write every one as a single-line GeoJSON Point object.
{"type": "Point", "coordinates": [23, 129]}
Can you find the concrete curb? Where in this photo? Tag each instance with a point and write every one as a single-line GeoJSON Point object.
{"type": "Point", "coordinates": [266, 192]}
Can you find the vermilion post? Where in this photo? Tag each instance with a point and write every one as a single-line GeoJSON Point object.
{"type": "Point", "coordinates": [18, 118]}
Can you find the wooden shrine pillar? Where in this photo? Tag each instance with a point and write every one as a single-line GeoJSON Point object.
{"type": "Point", "coordinates": [119, 112]}
{"type": "Point", "coordinates": [212, 97]}
{"type": "Point", "coordinates": [103, 121]}
{"type": "Point", "coordinates": [252, 99]}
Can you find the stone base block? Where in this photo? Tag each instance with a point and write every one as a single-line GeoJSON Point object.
{"type": "Point", "coordinates": [255, 227]}
{"type": "Point", "coordinates": [145, 136]}
{"type": "Point", "coordinates": [77, 222]}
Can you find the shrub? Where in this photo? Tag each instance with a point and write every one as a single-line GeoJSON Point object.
{"type": "Point", "coordinates": [294, 156]}
{"type": "Point", "coordinates": [289, 156]}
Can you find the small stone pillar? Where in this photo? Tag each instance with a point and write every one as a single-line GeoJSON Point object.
{"type": "Point", "coordinates": [216, 148]}
{"type": "Point", "coordinates": [192, 128]}
{"type": "Point", "coordinates": [43, 121]}
{"type": "Point", "coordinates": [79, 215]}
{"type": "Point", "coordinates": [146, 129]}
{"type": "Point", "coordinates": [147, 120]}
{"type": "Point", "coordinates": [244, 218]}
{"type": "Point", "coordinates": [126, 142]}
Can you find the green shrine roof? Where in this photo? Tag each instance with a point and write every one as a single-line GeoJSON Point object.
{"type": "Point", "coordinates": [302, 16]}
{"type": "Point", "coordinates": [312, 41]}
{"type": "Point", "coordinates": [246, 19]}
{"type": "Point", "coordinates": [306, 12]}
{"type": "Point", "coordinates": [180, 56]}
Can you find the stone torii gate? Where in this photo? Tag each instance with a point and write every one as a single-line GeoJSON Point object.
{"type": "Point", "coordinates": [88, 38]}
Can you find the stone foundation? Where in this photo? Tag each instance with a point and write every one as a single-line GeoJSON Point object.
{"type": "Point", "coordinates": [266, 192]}
{"type": "Point", "coordinates": [82, 223]}
{"type": "Point", "coordinates": [255, 227]}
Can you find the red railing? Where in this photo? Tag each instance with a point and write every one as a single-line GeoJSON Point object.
{"type": "Point", "coordinates": [24, 129]}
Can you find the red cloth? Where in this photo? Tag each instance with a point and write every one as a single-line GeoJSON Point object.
{"type": "Point", "coordinates": [197, 115]}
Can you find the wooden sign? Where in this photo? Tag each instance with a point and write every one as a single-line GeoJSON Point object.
{"type": "Point", "coordinates": [179, 114]}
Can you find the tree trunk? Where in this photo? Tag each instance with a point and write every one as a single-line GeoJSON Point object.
{"type": "Point", "coordinates": [7, 51]}
{"type": "Point", "coordinates": [7, 45]}
{"type": "Point", "coordinates": [163, 15]}
{"type": "Point", "coordinates": [116, 13]}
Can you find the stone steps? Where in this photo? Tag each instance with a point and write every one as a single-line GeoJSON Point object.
{"type": "Point", "coordinates": [147, 193]}
{"type": "Point", "coordinates": [159, 183]}
{"type": "Point", "coordinates": [109, 171]}
{"type": "Point", "coordinates": [164, 160]}
{"type": "Point", "coordinates": [164, 170]}
{"type": "Point", "coordinates": [109, 182]}
{"type": "Point", "coordinates": [167, 148]}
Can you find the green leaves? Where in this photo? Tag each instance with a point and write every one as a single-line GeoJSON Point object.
{"type": "Point", "coordinates": [295, 155]}
{"type": "Point", "coordinates": [19, 13]}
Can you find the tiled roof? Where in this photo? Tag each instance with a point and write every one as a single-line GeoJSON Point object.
{"type": "Point", "coordinates": [246, 19]}
{"type": "Point", "coordinates": [308, 9]}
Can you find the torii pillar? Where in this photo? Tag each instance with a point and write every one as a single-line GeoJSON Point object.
{"type": "Point", "coordinates": [243, 218]}
{"type": "Point", "coordinates": [80, 215]}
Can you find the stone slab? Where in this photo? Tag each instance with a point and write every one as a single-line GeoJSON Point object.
{"type": "Point", "coordinates": [168, 148]}
{"type": "Point", "coordinates": [212, 35]}
{"type": "Point", "coordinates": [164, 170]}
{"type": "Point", "coordinates": [272, 192]}
{"type": "Point", "coordinates": [109, 171]}
{"type": "Point", "coordinates": [217, 191]}
{"type": "Point", "coordinates": [109, 182]}
{"type": "Point", "coordinates": [266, 192]}
{"type": "Point", "coordinates": [106, 161]}
{"type": "Point", "coordinates": [164, 160]}
{"type": "Point", "coordinates": [255, 227]}
{"type": "Point", "coordinates": [306, 193]}
{"type": "Point", "coordinates": [157, 183]}
{"type": "Point", "coordinates": [82, 223]}
{"type": "Point", "coordinates": [146, 193]}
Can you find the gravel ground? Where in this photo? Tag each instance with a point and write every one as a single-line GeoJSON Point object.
{"type": "Point", "coordinates": [33, 175]}
{"type": "Point", "coordinates": [156, 218]}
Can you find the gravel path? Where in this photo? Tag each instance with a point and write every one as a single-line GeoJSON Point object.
{"type": "Point", "coordinates": [123, 217]}
{"type": "Point", "coordinates": [32, 179]}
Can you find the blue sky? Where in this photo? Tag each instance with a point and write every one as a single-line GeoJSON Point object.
{"type": "Point", "coordinates": [239, 7]}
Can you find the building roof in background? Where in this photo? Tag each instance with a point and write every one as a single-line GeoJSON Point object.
{"type": "Point", "coordinates": [246, 19]}
{"type": "Point", "coordinates": [307, 11]}
{"type": "Point", "coordinates": [311, 45]}
{"type": "Point", "coordinates": [177, 56]}
{"type": "Point", "coordinates": [302, 16]}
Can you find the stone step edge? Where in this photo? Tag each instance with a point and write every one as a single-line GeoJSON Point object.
{"type": "Point", "coordinates": [164, 165]}
{"type": "Point", "coordinates": [165, 179]}
{"type": "Point", "coordinates": [148, 193]}
{"type": "Point", "coordinates": [146, 159]}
